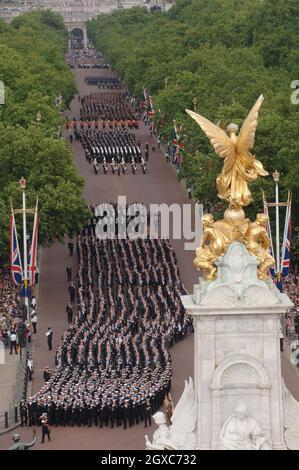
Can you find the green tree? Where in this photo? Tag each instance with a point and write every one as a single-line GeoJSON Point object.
{"type": "Point", "coordinates": [33, 70]}
{"type": "Point", "coordinates": [225, 53]}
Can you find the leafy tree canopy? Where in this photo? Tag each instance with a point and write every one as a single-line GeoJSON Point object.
{"type": "Point", "coordinates": [225, 53]}
{"type": "Point", "coordinates": [34, 72]}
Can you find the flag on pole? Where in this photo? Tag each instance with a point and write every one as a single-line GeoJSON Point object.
{"type": "Point", "coordinates": [15, 256]}
{"type": "Point", "coordinates": [268, 228]}
{"type": "Point", "coordinates": [286, 245]}
{"type": "Point", "coordinates": [32, 261]}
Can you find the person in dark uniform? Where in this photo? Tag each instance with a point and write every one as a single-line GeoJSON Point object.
{"type": "Point", "coordinates": [147, 413]}
{"type": "Point", "coordinates": [45, 427]}
{"type": "Point", "coordinates": [126, 413]}
{"type": "Point", "coordinates": [23, 413]}
{"type": "Point", "coordinates": [72, 292]}
{"type": "Point", "coordinates": [71, 247]}
{"type": "Point", "coordinates": [69, 273]}
{"type": "Point", "coordinates": [49, 336]}
{"type": "Point", "coordinates": [69, 311]}
{"type": "Point", "coordinates": [47, 374]}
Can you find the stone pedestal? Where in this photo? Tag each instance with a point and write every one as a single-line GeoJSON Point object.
{"type": "Point", "coordinates": [237, 348]}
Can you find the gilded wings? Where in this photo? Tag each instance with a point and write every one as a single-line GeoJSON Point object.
{"type": "Point", "coordinates": [240, 166]}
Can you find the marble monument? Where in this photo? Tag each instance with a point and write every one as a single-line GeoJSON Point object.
{"type": "Point", "coordinates": [239, 398]}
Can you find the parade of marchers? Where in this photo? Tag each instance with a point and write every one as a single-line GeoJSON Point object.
{"type": "Point", "coordinates": [113, 365]}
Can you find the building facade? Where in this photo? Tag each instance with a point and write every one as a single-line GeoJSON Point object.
{"type": "Point", "coordinates": [76, 13]}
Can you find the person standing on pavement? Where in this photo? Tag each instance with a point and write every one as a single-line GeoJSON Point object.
{"type": "Point", "coordinates": [49, 335]}
{"type": "Point", "coordinates": [71, 247]}
{"type": "Point", "coordinates": [69, 273]}
{"type": "Point", "coordinates": [147, 413]}
{"type": "Point", "coordinates": [69, 311]}
{"type": "Point", "coordinates": [23, 413]}
{"type": "Point", "coordinates": [33, 302]}
{"type": "Point", "coordinates": [34, 320]}
{"type": "Point", "coordinates": [72, 292]}
{"type": "Point", "coordinates": [13, 342]}
{"type": "Point", "coordinates": [281, 338]}
{"type": "Point", "coordinates": [45, 427]}
{"type": "Point", "coordinates": [30, 368]}
{"type": "Point", "coordinates": [47, 374]}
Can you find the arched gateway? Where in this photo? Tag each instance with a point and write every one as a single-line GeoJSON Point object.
{"type": "Point", "coordinates": [77, 38]}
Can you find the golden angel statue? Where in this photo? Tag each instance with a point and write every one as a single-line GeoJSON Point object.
{"type": "Point", "coordinates": [240, 166]}
{"type": "Point", "coordinates": [258, 244]}
{"type": "Point", "coordinates": [215, 240]}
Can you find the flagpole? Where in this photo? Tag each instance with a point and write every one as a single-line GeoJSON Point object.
{"type": "Point", "coordinates": [276, 180]}
{"type": "Point", "coordinates": [285, 233]}
{"type": "Point", "coordinates": [266, 211]}
{"type": "Point", "coordinates": [22, 183]}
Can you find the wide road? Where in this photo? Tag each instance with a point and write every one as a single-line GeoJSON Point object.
{"type": "Point", "coordinates": [159, 185]}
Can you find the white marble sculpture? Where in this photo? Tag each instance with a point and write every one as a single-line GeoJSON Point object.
{"type": "Point", "coordinates": [181, 433]}
{"type": "Point", "coordinates": [237, 282]}
{"type": "Point", "coordinates": [240, 432]}
{"type": "Point", "coordinates": [290, 419]}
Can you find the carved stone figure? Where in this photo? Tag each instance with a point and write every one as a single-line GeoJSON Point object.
{"type": "Point", "coordinates": [181, 434]}
{"type": "Point", "coordinates": [17, 445]}
{"type": "Point", "coordinates": [258, 244]}
{"type": "Point", "coordinates": [240, 432]}
{"type": "Point", "coordinates": [161, 437]}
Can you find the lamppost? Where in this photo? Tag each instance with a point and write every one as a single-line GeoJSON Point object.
{"type": "Point", "coordinates": [276, 176]}
{"type": "Point", "coordinates": [166, 82]}
{"type": "Point", "coordinates": [194, 101]}
{"type": "Point", "coordinates": [22, 184]}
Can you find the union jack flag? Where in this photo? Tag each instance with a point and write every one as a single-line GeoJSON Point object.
{"type": "Point", "coordinates": [286, 249]}
{"type": "Point", "coordinates": [15, 257]}
{"type": "Point", "coordinates": [268, 228]}
{"type": "Point", "coordinates": [32, 262]}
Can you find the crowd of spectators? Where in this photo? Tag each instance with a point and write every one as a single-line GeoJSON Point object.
{"type": "Point", "coordinates": [291, 287]}
{"type": "Point", "coordinates": [9, 315]}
